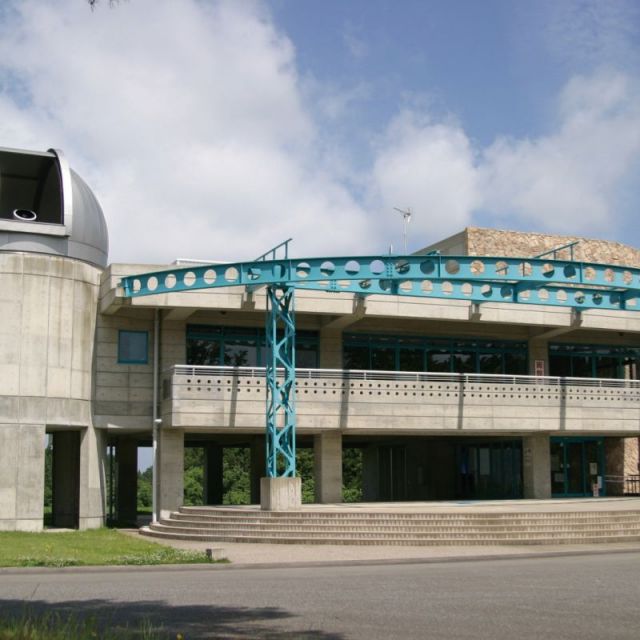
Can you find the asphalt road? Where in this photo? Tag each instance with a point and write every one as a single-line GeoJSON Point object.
{"type": "Point", "coordinates": [559, 598]}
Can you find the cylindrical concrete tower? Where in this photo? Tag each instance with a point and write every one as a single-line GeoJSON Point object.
{"type": "Point", "coordinates": [53, 248]}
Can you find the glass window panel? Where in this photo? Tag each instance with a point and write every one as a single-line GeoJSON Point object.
{"type": "Point", "coordinates": [240, 353]}
{"type": "Point", "coordinates": [557, 468]}
{"type": "Point", "coordinates": [631, 369]}
{"type": "Point", "coordinates": [607, 367]}
{"type": "Point", "coordinates": [439, 361]}
{"type": "Point", "coordinates": [559, 365]}
{"type": "Point", "coordinates": [411, 360]}
{"type": "Point", "coordinates": [306, 356]}
{"type": "Point", "coordinates": [515, 364]}
{"type": "Point", "coordinates": [582, 366]}
{"type": "Point", "coordinates": [464, 362]}
{"type": "Point", "coordinates": [203, 352]}
{"type": "Point", "coordinates": [490, 362]}
{"type": "Point", "coordinates": [355, 357]}
{"type": "Point", "coordinates": [133, 347]}
{"type": "Point", "coordinates": [383, 359]}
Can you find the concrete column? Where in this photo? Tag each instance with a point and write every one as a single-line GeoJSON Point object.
{"type": "Point", "coordinates": [65, 475]}
{"type": "Point", "coordinates": [330, 349]}
{"type": "Point", "coordinates": [127, 457]}
{"type": "Point", "coordinates": [538, 350]}
{"type": "Point", "coordinates": [258, 465]}
{"type": "Point", "coordinates": [213, 467]}
{"type": "Point", "coordinates": [21, 476]}
{"type": "Point", "coordinates": [93, 483]}
{"type": "Point", "coordinates": [327, 467]}
{"type": "Point", "coordinates": [536, 466]}
{"type": "Point", "coordinates": [170, 470]}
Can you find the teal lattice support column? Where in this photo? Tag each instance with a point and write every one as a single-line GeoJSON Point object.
{"type": "Point", "coordinates": [281, 380]}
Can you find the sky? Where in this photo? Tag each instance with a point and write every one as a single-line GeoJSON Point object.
{"type": "Point", "coordinates": [216, 129]}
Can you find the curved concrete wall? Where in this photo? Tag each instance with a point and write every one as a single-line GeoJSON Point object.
{"type": "Point", "coordinates": [48, 308]}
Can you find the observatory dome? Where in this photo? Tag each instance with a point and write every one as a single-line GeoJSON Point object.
{"type": "Point", "coordinates": [46, 207]}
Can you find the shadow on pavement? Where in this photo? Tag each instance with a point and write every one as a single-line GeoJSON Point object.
{"type": "Point", "coordinates": [192, 621]}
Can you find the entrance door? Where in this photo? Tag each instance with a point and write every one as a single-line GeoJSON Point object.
{"type": "Point", "coordinates": [392, 472]}
{"type": "Point", "coordinates": [577, 464]}
{"type": "Point", "coordinates": [490, 470]}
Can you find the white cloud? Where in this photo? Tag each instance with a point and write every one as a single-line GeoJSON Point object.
{"type": "Point", "coordinates": [567, 181]}
{"type": "Point", "coordinates": [428, 166]}
{"type": "Point", "coordinates": [191, 122]}
{"type": "Point", "coordinates": [186, 118]}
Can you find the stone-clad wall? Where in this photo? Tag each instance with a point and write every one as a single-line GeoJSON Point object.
{"type": "Point", "coordinates": [495, 242]}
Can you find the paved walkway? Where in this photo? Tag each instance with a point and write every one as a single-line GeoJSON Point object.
{"type": "Point", "coordinates": [242, 554]}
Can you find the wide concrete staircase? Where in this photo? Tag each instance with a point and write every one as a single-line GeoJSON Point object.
{"type": "Point", "coordinates": [375, 527]}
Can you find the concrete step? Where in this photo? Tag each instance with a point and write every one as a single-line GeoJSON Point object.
{"type": "Point", "coordinates": [363, 515]}
{"type": "Point", "coordinates": [409, 541]}
{"type": "Point", "coordinates": [469, 527]}
{"type": "Point", "coordinates": [399, 533]}
{"type": "Point", "coordinates": [326, 526]}
{"type": "Point", "coordinates": [315, 519]}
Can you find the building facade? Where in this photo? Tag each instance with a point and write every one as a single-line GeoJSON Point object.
{"type": "Point", "coordinates": [443, 398]}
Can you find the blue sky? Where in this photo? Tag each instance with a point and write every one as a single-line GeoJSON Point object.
{"type": "Point", "coordinates": [217, 129]}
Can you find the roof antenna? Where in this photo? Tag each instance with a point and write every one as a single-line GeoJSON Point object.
{"type": "Point", "coordinates": [406, 218]}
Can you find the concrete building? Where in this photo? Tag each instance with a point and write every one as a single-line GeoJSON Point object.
{"type": "Point", "coordinates": [445, 398]}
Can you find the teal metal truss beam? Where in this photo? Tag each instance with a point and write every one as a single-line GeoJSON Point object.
{"type": "Point", "coordinates": [281, 381]}
{"type": "Point", "coordinates": [477, 279]}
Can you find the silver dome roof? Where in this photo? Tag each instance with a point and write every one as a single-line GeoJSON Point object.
{"type": "Point", "coordinates": [46, 207]}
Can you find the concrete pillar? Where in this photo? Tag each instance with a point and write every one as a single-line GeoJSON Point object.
{"type": "Point", "coordinates": [171, 470]}
{"type": "Point", "coordinates": [21, 476]}
{"type": "Point", "coordinates": [538, 350]}
{"type": "Point", "coordinates": [93, 484]}
{"type": "Point", "coordinates": [65, 475]}
{"type": "Point", "coordinates": [330, 349]}
{"type": "Point", "coordinates": [327, 467]}
{"type": "Point", "coordinates": [536, 466]}
{"type": "Point", "coordinates": [213, 467]}
{"type": "Point", "coordinates": [127, 457]}
{"type": "Point", "coordinates": [258, 466]}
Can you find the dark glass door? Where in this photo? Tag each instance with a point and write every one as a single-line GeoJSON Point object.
{"type": "Point", "coordinates": [577, 464]}
{"type": "Point", "coordinates": [392, 472]}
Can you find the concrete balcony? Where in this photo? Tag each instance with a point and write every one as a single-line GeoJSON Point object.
{"type": "Point", "coordinates": [232, 399]}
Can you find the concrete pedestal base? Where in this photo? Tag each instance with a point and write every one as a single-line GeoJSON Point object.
{"type": "Point", "coordinates": [280, 494]}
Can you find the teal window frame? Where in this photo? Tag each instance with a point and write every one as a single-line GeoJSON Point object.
{"type": "Point", "coordinates": [450, 347]}
{"type": "Point", "coordinates": [602, 462]}
{"type": "Point", "coordinates": [623, 355]}
{"type": "Point", "coordinates": [219, 337]}
{"type": "Point", "coordinates": [122, 358]}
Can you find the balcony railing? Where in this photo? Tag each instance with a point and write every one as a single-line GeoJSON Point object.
{"type": "Point", "coordinates": [383, 401]}
{"type": "Point", "coordinates": [409, 376]}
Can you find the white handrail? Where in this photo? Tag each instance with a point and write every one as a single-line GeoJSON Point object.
{"type": "Point", "coordinates": [407, 376]}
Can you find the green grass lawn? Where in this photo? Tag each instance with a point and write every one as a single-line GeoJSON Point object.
{"type": "Point", "coordinates": [87, 548]}
{"type": "Point", "coordinates": [52, 626]}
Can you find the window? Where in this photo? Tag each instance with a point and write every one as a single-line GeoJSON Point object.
{"type": "Point", "coordinates": [243, 346]}
{"type": "Point", "coordinates": [434, 355]}
{"type": "Point", "coordinates": [133, 347]}
{"type": "Point", "coordinates": [593, 361]}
